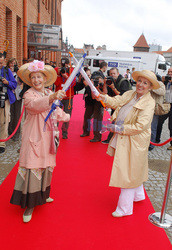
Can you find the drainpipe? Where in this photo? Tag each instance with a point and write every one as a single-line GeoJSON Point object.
{"type": "Point", "coordinates": [55, 12]}
{"type": "Point", "coordinates": [25, 54]}
{"type": "Point", "coordinates": [39, 11]}
{"type": "Point", "coordinates": [52, 6]}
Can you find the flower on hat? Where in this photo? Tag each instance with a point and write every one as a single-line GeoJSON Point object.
{"type": "Point", "coordinates": [36, 66]}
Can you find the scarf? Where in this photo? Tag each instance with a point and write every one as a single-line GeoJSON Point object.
{"type": "Point", "coordinates": [54, 129]}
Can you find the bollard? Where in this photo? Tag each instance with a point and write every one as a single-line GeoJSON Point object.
{"type": "Point", "coordinates": [161, 219]}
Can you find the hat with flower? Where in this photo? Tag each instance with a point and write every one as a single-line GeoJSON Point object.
{"type": "Point", "coordinates": [37, 66]}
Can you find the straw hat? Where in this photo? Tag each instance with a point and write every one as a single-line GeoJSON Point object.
{"type": "Point", "coordinates": [37, 66]}
{"type": "Point", "coordinates": [148, 75]}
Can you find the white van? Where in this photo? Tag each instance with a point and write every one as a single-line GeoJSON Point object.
{"type": "Point", "coordinates": [128, 60]}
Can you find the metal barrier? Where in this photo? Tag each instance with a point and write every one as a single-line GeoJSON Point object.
{"type": "Point", "coordinates": [161, 219]}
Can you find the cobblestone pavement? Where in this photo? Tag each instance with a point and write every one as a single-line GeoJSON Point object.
{"type": "Point", "coordinates": [159, 159]}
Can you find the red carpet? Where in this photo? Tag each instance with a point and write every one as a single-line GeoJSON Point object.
{"type": "Point", "coordinates": [80, 217]}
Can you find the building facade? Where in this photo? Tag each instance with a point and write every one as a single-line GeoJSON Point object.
{"type": "Point", "coordinates": [14, 18]}
{"type": "Point", "coordinates": [155, 47]}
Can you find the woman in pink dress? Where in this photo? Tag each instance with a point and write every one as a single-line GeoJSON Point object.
{"type": "Point", "coordinates": [39, 143]}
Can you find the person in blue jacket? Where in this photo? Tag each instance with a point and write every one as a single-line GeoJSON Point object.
{"type": "Point", "coordinates": [7, 97]}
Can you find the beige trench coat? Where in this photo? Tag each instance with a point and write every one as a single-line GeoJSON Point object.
{"type": "Point", "coordinates": [130, 165]}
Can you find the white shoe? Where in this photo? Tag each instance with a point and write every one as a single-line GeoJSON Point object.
{"type": "Point", "coordinates": [49, 200]}
{"type": "Point", "coordinates": [116, 214]}
{"type": "Point", "coordinates": [27, 218]}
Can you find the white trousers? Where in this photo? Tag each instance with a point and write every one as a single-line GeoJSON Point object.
{"type": "Point", "coordinates": [127, 197]}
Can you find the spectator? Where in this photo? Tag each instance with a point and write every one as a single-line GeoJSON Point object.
{"type": "Point", "coordinates": [162, 118]}
{"type": "Point", "coordinates": [158, 96]}
{"type": "Point", "coordinates": [101, 71]}
{"type": "Point", "coordinates": [121, 83]}
{"type": "Point", "coordinates": [118, 87]}
{"type": "Point", "coordinates": [127, 75]}
{"type": "Point", "coordinates": [15, 108]}
{"type": "Point", "coordinates": [98, 109]}
{"type": "Point", "coordinates": [131, 79]}
{"type": "Point", "coordinates": [67, 102]}
{"type": "Point", "coordinates": [7, 97]}
{"type": "Point", "coordinates": [47, 62]}
{"type": "Point", "coordinates": [89, 103]}
{"type": "Point", "coordinates": [52, 64]}
{"type": "Point", "coordinates": [25, 86]}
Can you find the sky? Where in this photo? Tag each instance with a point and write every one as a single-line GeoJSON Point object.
{"type": "Point", "coordinates": [117, 23]}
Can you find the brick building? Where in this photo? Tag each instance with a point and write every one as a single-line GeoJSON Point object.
{"type": "Point", "coordinates": [14, 18]}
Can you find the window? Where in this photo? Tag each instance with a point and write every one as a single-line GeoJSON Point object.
{"type": "Point", "coordinates": [96, 63]}
{"type": "Point", "coordinates": [162, 66]}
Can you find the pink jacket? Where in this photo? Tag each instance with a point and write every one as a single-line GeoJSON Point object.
{"type": "Point", "coordinates": [35, 148]}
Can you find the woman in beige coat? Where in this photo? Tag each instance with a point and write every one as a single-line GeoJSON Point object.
{"type": "Point", "coordinates": [39, 144]}
{"type": "Point", "coordinates": [129, 145]}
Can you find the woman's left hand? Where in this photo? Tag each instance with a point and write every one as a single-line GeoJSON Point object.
{"type": "Point", "coordinates": [60, 94]}
{"type": "Point", "coordinates": [57, 95]}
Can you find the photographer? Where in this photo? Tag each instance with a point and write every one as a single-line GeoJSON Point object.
{"type": "Point", "coordinates": [7, 97]}
{"type": "Point", "coordinates": [168, 98]}
{"type": "Point", "coordinates": [15, 109]}
{"type": "Point", "coordinates": [89, 102]}
{"type": "Point", "coordinates": [116, 85]}
{"type": "Point", "coordinates": [98, 109]}
{"type": "Point", "coordinates": [62, 76]}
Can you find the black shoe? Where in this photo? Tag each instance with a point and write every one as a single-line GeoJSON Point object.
{"type": "Point", "coordinates": [150, 149]}
{"type": "Point", "coordinates": [64, 137]}
{"type": "Point", "coordinates": [84, 134]}
{"type": "Point", "coordinates": [95, 140]}
{"type": "Point", "coordinates": [105, 142]}
{"type": "Point", "coordinates": [2, 150]}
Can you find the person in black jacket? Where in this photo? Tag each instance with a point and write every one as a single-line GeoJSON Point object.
{"type": "Point", "coordinates": [118, 87]}
{"type": "Point", "coordinates": [89, 102]}
{"type": "Point", "coordinates": [93, 108]}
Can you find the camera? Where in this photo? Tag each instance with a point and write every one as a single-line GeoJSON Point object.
{"type": "Point", "coordinates": [96, 83]}
{"type": "Point", "coordinates": [3, 92]}
{"type": "Point", "coordinates": [16, 68]}
{"type": "Point", "coordinates": [168, 78]}
{"type": "Point", "coordinates": [64, 70]}
{"type": "Point", "coordinates": [109, 80]}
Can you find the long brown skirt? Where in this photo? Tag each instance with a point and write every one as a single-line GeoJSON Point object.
{"type": "Point", "coordinates": [31, 189]}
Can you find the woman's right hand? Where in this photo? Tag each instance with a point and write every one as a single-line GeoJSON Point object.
{"type": "Point", "coordinates": [100, 98]}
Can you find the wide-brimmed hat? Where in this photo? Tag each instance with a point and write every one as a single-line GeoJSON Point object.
{"type": "Point", "coordinates": [37, 66]}
{"type": "Point", "coordinates": [148, 75]}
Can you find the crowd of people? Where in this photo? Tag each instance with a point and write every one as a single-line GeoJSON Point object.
{"type": "Point", "coordinates": [134, 120]}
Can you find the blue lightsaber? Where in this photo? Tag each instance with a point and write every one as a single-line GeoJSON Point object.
{"type": "Point", "coordinates": [67, 84]}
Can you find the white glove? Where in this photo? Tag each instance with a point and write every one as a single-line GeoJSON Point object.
{"type": "Point", "coordinates": [115, 128]}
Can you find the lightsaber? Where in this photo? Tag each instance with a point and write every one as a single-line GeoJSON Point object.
{"type": "Point", "coordinates": [67, 84]}
{"type": "Point", "coordinates": [87, 79]}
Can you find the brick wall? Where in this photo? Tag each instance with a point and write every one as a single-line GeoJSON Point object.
{"type": "Point", "coordinates": [11, 25]}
